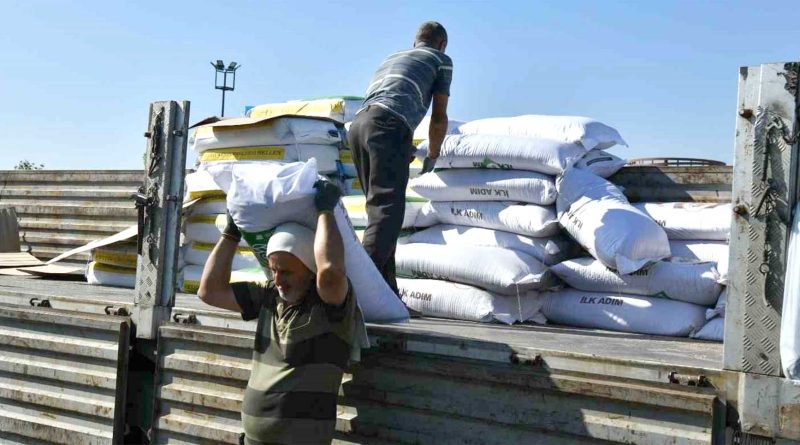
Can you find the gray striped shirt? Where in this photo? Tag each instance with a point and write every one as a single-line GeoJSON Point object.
{"type": "Point", "coordinates": [406, 81]}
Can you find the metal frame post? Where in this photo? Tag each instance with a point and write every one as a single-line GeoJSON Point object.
{"type": "Point", "coordinates": [160, 200]}
{"type": "Point", "coordinates": [764, 190]}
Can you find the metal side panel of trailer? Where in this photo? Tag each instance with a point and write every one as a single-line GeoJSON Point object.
{"type": "Point", "coordinates": [63, 376]}
{"type": "Point", "coordinates": [445, 382]}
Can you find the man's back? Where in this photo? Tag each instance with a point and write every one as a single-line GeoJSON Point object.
{"type": "Point", "coordinates": [406, 81]}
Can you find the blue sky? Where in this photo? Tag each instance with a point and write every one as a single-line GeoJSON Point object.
{"type": "Point", "coordinates": [76, 77]}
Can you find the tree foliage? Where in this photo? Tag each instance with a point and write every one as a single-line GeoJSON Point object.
{"type": "Point", "coordinates": [28, 165]}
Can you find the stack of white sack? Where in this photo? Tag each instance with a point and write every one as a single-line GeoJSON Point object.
{"type": "Point", "coordinates": [113, 265]}
{"type": "Point", "coordinates": [491, 226]}
{"type": "Point", "coordinates": [598, 216]}
{"type": "Point", "coordinates": [340, 109]}
{"type": "Point", "coordinates": [642, 253]}
{"type": "Point", "coordinates": [663, 298]}
{"type": "Point", "coordinates": [699, 232]}
{"type": "Point", "coordinates": [205, 220]}
{"type": "Point", "coordinates": [696, 231]}
{"type": "Point", "coordinates": [547, 156]}
{"type": "Point", "coordinates": [282, 139]}
{"type": "Point", "coordinates": [263, 195]}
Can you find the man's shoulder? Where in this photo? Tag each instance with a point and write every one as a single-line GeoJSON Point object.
{"type": "Point", "coordinates": [420, 52]}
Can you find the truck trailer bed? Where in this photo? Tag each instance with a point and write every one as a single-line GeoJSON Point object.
{"type": "Point", "coordinates": [518, 340]}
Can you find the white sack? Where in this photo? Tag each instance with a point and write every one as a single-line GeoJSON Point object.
{"type": "Point", "coordinates": [198, 253]}
{"type": "Point", "coordinates": [497, 270]}
{"type": "Point", "coordinates": [691, 220]}
{"type": "Point", "coordinates": [589, 132]}
{"type": "Point", "coordinates": [200, 185]}
{"type": "Point", "coordinates": [601, 163]}
{"type": "Point", "coordinates": [99, 274]}
{"type": "Point", "coordinates": [327, 156]}
{"type": "Point", "coordinates": [715, 251]}
{"type": "Point", "coordinates": [790, 318]}
{"type": "Point", "coordinates": [435, 298]}
{"type": "Point", "coordinates": [713, 330]}
{"type": "Point", "coordinates": [207, 228]}
{"type": "Point", "coordinates": [190, 277]}
{"type": "Point", "coordinates": [486, 185]}
{"type": "Point", "coordinates": [719, 308]}
{"type": "Point", "coordinates": [483, 151]}
{"type": "Point", "coordinates": [690, 282]}
{"type": "Point", "coordinates": [117, 254]}
{"type": "Point", "coordinates": [262, 196]}
{"type": "Point", "coordinates": [523, 219]}
{"type": "Point", "coordinates": [637, 314]}
{"type": "Point", "coordinates": [549, 251]}
{"type": "Point", "coordinates": [421, 132]}
{"type": "Point", "coordinates": [598, 216]}
{"type": "Point", "coordinates": [260, 133]}
{"type": "Point", "coordinates": [356, 207]}
{"type": "Point", "coordinates": [210, 206]}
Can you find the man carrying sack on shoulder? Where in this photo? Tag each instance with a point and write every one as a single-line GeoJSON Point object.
{"type": "Point", "coordinates": [306, 322]}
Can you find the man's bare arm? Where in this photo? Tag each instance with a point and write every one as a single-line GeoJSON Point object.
{"type": "Point", "coordinates": [329, 255]}
{"type": "Point", "coordinates": [438, 127]}
{"type": "Point", "coordinates": [215, 288]}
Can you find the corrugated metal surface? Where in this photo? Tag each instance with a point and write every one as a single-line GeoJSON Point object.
{"type": "Point", "coordinates": [676, 184]}
{"type": "Point", "coordinates": [62, 377]}
{"type": "Point", "coordinates": [402, 397]}
{"type": "Point", "coordinates": [61, 210]}
{"type": "Point", "coordinates": [66, 296]}
{"type": "Point", "coordinates": [202, 373]}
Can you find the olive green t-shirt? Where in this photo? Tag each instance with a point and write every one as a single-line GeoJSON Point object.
{"type": "Point", "coordinates": [299, 357]}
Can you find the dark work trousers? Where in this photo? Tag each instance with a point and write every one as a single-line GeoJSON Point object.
{"type": "Point", "coordinates": [382, 148]}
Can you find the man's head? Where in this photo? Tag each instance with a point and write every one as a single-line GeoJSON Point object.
{"type": "Point", "coordinates": [290, 252]}
{"type": "Point", "coordinates": [431, 34]}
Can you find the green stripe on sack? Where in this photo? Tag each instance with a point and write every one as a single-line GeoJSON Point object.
{"type": "Point", "coordinates": [258, 242]}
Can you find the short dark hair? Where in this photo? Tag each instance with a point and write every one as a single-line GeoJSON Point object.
{"type": "Point", "coordinates": [432, 33]}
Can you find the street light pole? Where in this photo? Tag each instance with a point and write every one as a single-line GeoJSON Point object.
{"type": "Point", "coordinates": [220, 68]}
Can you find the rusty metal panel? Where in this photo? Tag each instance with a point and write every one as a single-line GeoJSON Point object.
{"type": "Point", "coordinates": [62, 376]}
{"type": "Point", "coordinates": [403, 397]}
{"type": "Point", "coordinates": [764, 193]}
{"type": "Point", "coordinates": [675, 184]}
{"type": "Point", "coordinates": [62, 210]}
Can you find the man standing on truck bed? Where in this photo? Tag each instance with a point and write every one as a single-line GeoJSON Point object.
{"type": "Point", "coordinates": [307, 316]}
{"type": "Point", "coordinates": [380, 136]}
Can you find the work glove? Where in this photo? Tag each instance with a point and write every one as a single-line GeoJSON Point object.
{"type": "Point", "coordinates": [327, 195]}
{"type": "Point", "coordinates": [231, 230]}
{"type": "Point", "coordinates": [428, 164]}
